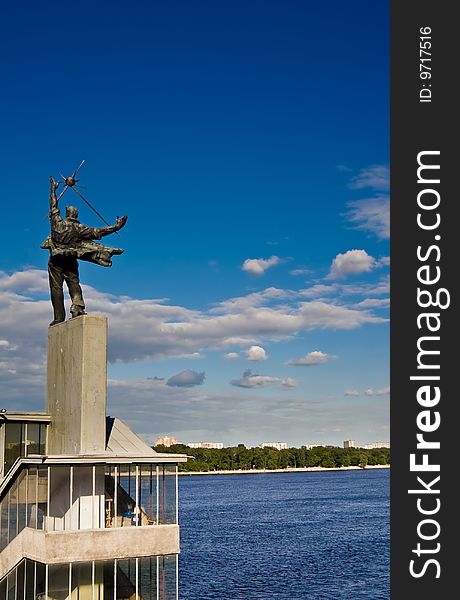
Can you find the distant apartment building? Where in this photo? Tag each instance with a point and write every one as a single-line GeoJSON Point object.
{"type": "Point", "coordinates": [276, 445]}
{"type": "Point", "coordinates": [209, 445]}
{"type": "Point", "coordinates": [375, 445]}
{"type": "Point", "coordinates": [349, 444]}
{"type": "Point", "coordinates": [165, 440]}
{"type": "Point", "coordinates": [311, 446]}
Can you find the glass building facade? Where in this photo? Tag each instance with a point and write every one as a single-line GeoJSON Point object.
{"type": "Point", "coordinates": [147, 578]}
{"type": "Point", "coordinates": [21, 440]}
{"type": "Point", "coordinates": [63, 497]}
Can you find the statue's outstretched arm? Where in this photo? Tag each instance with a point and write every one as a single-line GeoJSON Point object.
{"type": "Point", "coordinates": [53, 199]}
{"type": "Point", "coordinates": [119, 223]}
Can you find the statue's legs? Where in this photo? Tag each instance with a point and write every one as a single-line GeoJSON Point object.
{"type": "Point", "coordinates": [60, 269]}
{"type": "Point", "coordinates": [72, 280]}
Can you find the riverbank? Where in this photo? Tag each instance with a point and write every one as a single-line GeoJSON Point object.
{"type": "Point", "coordinates": [287, 470]}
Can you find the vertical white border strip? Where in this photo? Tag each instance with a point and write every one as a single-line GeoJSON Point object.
{"type": "Point", "coordinates": [115, 494]}
{"type": "Point", "coordinates": [158, 576]}
{"type": "Point", "coordinates": [48, 499]}
{"type": "Point", "coordinates": [93, 520]}
{"type": "Point", "coordinates": [158, 495]}
{"type": "Point", "coordinates": [177, 496]}
{"type": "Point", "coordinates": [71, 497]}
{"type": "Point", "coordinates": [137, 509]}
{"type": "Point", "coordinates": [92, 579]}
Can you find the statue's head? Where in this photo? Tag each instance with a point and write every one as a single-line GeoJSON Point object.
{"type": "Point", "coordinates": [71, 212]}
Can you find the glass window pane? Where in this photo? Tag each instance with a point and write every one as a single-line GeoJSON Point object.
{"type": "Point", "coordinates": [126, 579]}
{"type": "Point", "coordinates": [59, 508]}
{"type": "Point", "coordinates": [20, 581]}
{"type": "Point", "coordinates": [148, 578]}
{"type": "Point", "coordinates": [167, 496]}
{"type": "Point", "coordinates": [12, 512]}
{"type": "Point", "coordinates": [125, 496]}
{"type": "Point", "coordinates": [39, 581]}
{"type": "Point", "coordinates": [88, 507]}
{"type": "Point", "coordinates": [3, 588]}
{"type": "Point", "coordinates": [31, 516]}
{"type": "Point", "coordinates": [58, 582]}
{"type": "Point", "coordinates": [22, 499]}
{"type": "Point", "coordinates": [13, 444]}
{"type": "Point", "coordinates": [148, 494]}
{"type": "Point", "coordinates": [42, 495]}
{"type": "Point", "coordinates": [11, 585]}
{"type": "Point", "coordinates": [167, 572]}
{"type": "Point", "coordinates": [3, 525]}
{"type": "Point", "coordinates": [32, 443]}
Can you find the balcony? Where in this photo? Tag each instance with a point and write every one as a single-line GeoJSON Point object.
{"type": "Point", "coordinates": [89, 496]}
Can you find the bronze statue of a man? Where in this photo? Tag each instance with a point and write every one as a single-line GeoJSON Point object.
{"type": "Point", "coordinates": [71, 240]}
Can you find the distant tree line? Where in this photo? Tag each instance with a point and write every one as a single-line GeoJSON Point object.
{"type": "Point", "coordinates": [240, 457]}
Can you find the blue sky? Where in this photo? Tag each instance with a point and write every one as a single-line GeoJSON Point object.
{"type": "Point", "coordinates": [249, 144]}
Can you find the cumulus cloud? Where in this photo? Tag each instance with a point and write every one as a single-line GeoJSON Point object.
{"type": "Point", "coordinates": [151, 329]}
{"type": "Point", "coordinates": [369, 392]}
{"type": "Point", "coordinates": [352, 262]}
{"type": "Point", "coordinates": [231, 356]}
{"type": "Point", "coordinates": [253, 380]}
{"type": "Point", "coordinates": [187, 378]}
{"type": "Point", "coordinates": [376, 177]}
{"type": "Point", "coordinates": [312, 358]}
{"type": "Point", "coordinates": [351, 392]}
{"type": "Point", "coordinates": [256, 353]}
{"type": "Point", "coordinates": [371, 214]}
{"type": "Point", "coordinates": [258, 266]}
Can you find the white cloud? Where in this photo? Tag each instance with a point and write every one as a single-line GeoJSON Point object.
{"type": "Point", "coordinates": [369, 392]}
{"type": "Point", "coordinates": [374, 303]}
{"type": "Point", "coordinates": [380, 288]}
{"type": "Point", "coordinates": [312, 358]}
{"type": "Point", "coordinates": [372, 215]}
{"type": "Point", "coordinates": [231, 356]}
{"type": "Point", "coordinates": [376, 177]}
{"type": "Point", "coordinates": [187, 378]}
{"type": "Point", "coordinates": [383, 392]}
{"type": "Point", "coordinates": [297, 272]}
{"type": "Point", "coordinates": [256, 353]}
{"type": "Point", "coordinates": [351, 392]}
{"type": "Point", "coordinates": [252, 380]}
{"type": "Point", "coordinates": [236, 415]}
{"type": "Point", "coordinates": [258, 266]}
{"type": "Point", "coordinates": [318, 290]}
{"type": "Point", "coordinates": [151, 329]}
{"type": "Point", "coordinates": [352, 262]}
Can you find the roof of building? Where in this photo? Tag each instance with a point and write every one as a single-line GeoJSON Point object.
{"type": "Point", "coordinates": [25, 417]}
{"type": "Point", "coordinates": [122, 440]}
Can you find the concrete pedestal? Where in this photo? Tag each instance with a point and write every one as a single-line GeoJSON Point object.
{"type": "Point", "coordinates": [76, 386]}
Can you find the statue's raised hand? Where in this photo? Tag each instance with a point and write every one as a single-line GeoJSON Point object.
{"type": "Point", "coordinates": [121, 222]}
{"type": "Point", "coordinates": [54, 185]}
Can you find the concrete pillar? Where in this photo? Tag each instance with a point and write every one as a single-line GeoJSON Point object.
{"type": "Point", "coordinates": [76, 385]}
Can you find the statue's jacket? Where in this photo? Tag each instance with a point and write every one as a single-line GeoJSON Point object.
{"type": "Point", "coordinates": [69, 237]}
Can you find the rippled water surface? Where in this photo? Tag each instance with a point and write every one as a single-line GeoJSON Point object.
{"type": "Point", "coordinates": [285, 536]}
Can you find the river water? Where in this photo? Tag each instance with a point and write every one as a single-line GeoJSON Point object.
{"type": "Point", "coordinates": [285, 536]}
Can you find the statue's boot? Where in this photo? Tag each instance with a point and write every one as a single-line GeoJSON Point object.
{"type": "Point", "coordinates": [55, 322]}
